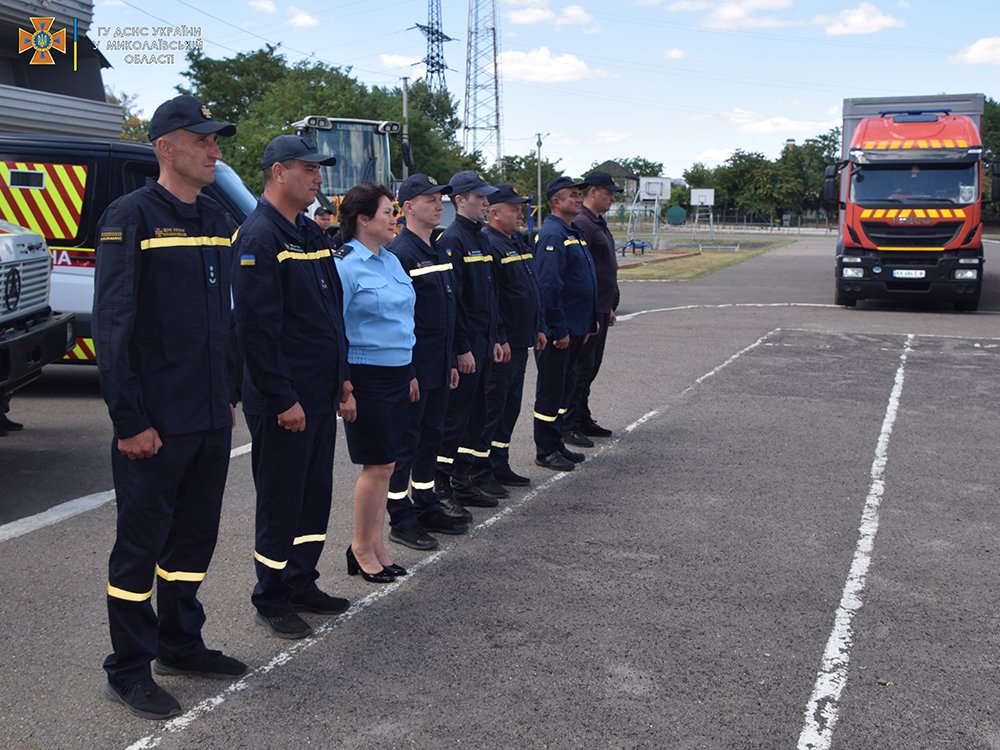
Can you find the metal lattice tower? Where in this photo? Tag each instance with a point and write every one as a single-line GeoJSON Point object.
{"type": "Point", "coordinates": [481, 129]}
{"type": "Point", "coordinates": [436, 66]}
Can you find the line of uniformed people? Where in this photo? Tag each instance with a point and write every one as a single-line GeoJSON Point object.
{"type": "Point", "coordinates": [419, 345]}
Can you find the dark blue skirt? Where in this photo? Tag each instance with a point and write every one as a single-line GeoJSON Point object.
{"type": "Point", "coordinates": [383, 397]}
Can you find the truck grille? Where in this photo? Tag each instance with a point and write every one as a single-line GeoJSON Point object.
{"type": "Point", "coordinates": [933, 235]}
{"type": "Point", "coordinates": [33, 276]}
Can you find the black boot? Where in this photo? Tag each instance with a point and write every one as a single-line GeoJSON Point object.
{"type": "Point", "coordinates": [465, 492]}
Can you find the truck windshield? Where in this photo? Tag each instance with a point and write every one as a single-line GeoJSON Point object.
{"type": "Point", "coordinates": [362, 156]}
{"type": "Point", "coordinates": [917, 184]}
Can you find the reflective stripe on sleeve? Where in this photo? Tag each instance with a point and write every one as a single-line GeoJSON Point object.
{"type": "Point", "coordinates": [314, 255]}
{"type": "Point", "coordinates": [154, 242]}
{"type": "Point", "coordinates": [445, 460]}
{"type": "Point", "coordinates": [129, 596]}
{"type": "Point", "coordinates": [431, 269]}
{"type": "Point", "coordinates": [268, 562]}
{"type": "Point", "coordinates": [179, 575]}
{"type": "Point", "coordinates": [478, 258]}
{"type": "Point", "coordinates": [514, 258]}
{"type": "Point", "coordinates": [306, 538]}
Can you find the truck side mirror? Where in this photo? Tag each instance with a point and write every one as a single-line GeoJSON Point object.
{"type": "Point", "coordinates": [830, 186]}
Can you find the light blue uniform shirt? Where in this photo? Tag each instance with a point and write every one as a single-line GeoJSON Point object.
{"type": "Point", "coordinates": [378, 307]}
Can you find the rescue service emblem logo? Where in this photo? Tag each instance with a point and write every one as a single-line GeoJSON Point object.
{"type": "Point", "coordinates": [206, 112]}
{"type": "Point", "coordinates": [42, 40]}
{"type": "Point", "coordinates": [12, 289]}
{"type": "Point", "coordinates": [432, 181]}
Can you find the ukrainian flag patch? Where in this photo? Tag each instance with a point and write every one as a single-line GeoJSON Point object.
{"type": "Point", "coordinates": [248, 260]}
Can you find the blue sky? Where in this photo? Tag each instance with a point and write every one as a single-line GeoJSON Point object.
{"type": "Point", "coordinates": [675, 81]}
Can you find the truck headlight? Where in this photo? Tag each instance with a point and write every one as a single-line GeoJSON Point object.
{"type": "Point", "coordinates": [852, 273]}
{"type": "Point", "coordinates": [850, 259]}
{"type": "Point", "coordinates": [966, 274]}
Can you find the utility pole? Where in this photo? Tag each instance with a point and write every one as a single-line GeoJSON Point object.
{"type": "Point", "coordinates": [434, 61]}
{"type": "Point", "coordinates": [538, 160]}
{"type": "Point", "coordinates": [406, 128]}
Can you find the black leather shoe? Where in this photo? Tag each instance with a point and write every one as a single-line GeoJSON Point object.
{"type": "Point", "coordinates": [354, 567]}
{"type": "Point", "coordinates": [320, 603]}
{"type": "Point", "coordinates": [475, 497]}
{"type": "Point", "coordinates": [575, 437]}
{"type": "Point", "coordinates": [509, 478]}
{"type": "Point", "coordinates": [454, 509]}
{"type": "Point", "coordinates": [396, 570]}
{"type": "Point", "coordinates": [577, 458]}
{"type": "Point", "coordinates": [556, 461]}
{"type": "Point", "coordinates": [213, 664]}
{"type": "Point", "coordinates": [145, 699]}
{"type": "Point", "coordinates": [10, 425]}
{"type": "Point", "coordinates": [439, 522]}
{"type": "Point", "coordinates": [494, 488]}
{"type": "Point", "coordinates": [414, 538]}
{"type": "Point", "coordinates": [595, 430]}
{"type": "Point", "coordinates": [289, 626]}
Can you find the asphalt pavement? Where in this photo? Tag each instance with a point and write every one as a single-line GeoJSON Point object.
{"type": "Point", "coordinates": [790, 541]}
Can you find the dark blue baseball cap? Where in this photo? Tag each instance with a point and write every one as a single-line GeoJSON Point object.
{"type": "Point", "coordinates": [420, 184]}
{"type": "Point", "coordinates": [560, 183]}
{"type": "Point", "coordinates": [284, 147]}
{"type": "Point", "coordinates": [470, 182]}
{"type": "Point", "coordinates": [506, 194]}
{"type": "Point", "coordinates": [186, 113]}
{"type": "Point", "coordinates": [602, 179]}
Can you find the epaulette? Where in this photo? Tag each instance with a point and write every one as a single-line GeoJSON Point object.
{"type": "Point", "coordinates": [342, 251]}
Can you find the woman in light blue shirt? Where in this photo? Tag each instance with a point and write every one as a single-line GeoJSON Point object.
{"type": "Point", "coordinates": [378, 318]}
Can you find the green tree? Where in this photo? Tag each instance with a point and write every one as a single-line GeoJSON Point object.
{"type": "Point", "coordinates": [990, 132]}
{"type": "Point", "coordinates": [522, 173]}
{"type": "Point", "coordinates": [637, 165]}
{"type": "Point", "coordinates": [135, 127]}
{"type": "Point", "coordinates": [263, 96]}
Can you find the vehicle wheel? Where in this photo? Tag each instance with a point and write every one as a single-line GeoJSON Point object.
{"type": "Point", "coordinates": [843, 299]}
{"type": "Point", "coordinates": [967, 305]}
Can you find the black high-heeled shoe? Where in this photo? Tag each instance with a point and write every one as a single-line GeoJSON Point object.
{"type": "Point", "coordinates": [354, 567]}
{"type": "Point", "coordinates": [397, 570]}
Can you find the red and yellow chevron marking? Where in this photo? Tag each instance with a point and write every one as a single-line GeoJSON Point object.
{"type": "Point", "coordinates": [82, 351]}
{"type": "Point", "coordinates": [918, 213]}
{"type": "Point", "coordinates": [53, 210]}
{"type": "Point", "coordinates": [916, 143]}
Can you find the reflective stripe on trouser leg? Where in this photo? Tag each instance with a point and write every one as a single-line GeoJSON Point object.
{"type": "Point", "coordinates": [461, 404]}
{"type": "Point", "coordinates": [168, 512]}
{"type": "Point", "coordinates": [293, 474]}
{"type": "Point", "coordinates": [555, 368]}
{"type": "Point", "coordinates": [587, 367]}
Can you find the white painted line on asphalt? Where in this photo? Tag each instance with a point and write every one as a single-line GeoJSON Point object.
{"type": "Point", "coordinates": [208, 705]}
{"type": "Point", "coordinates": [823, 708]}
{"type": "Point", "coordinates": [71, 508]}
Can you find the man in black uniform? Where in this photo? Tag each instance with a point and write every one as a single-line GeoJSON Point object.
{"type": "Point", "coordinates": [289, 314]}
{"type": "Point", "coordinates": [598, 194]}
{"type": "Point", "coordinates": [520, 311]}
{"type": "Point", "coordinates": [568, 289]}
{"type": "Point", "coordinates": [162, 332]}
{"type": "Point", "coordinates": [478, 340]}
{"type": "Point", "coordinates": [324, 219]}
{"type": "Point", "coordinates": [413, 505]}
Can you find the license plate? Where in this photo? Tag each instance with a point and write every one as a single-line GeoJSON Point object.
{"type": "Point", "coordinates": [908, 273]}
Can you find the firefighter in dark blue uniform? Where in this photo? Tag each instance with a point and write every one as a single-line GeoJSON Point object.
{"type": "Point", "coordinates": [290, 320]}
{"type": "Point", "coordinates": [414, 507]}
{"type": "Point", "coordinates": [568, 286]}
{"type": "Point", "coordinates": [520, 311]}
{"type": "Point", "coordinates": [162, 331]}
{"type": "Point", "coordinates": [478, 340]}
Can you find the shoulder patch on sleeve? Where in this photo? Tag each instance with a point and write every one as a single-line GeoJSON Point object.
{"type": "Point", "coordinates": [342, 252]}
{"type": "Point", "coordinates": [112, 234]}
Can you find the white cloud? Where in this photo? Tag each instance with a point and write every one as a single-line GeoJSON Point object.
{"type": "Point", "coordinates": [985, 51]}
{"type": "Point", "coordinates": [685, 5]}
{"type": "Point", "coordinates": [541, 66]}
{"type": "Point", "coordinates": [745, 121]}
{"type": "Point", "coordinates": [611, 137]}
{"type": "Point", "coordinates": [264, 6]}
{"type": "Point", "coordinates": [301, 19]}
{"type": "Point", "coordinates": [112, 3]}
{"type": "Point", "coordinates": [713, 157]}
{"type": "Point", "coordinates": [573, 15]}
{"type": "Point", "coordinates": [865, 19]}
{"type": "Point", "coordinates": [674, 53]}
{"type": "Point", "coordinates": [398, 61]}
{"type": "Point", "coordinates": [530, 16]}
{"type": "Point", "coordinates": [741, 14]}
{"type": "Point", "coordinates": [532, 12]}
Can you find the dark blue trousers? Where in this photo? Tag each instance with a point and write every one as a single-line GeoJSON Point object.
{"type": "Point", "coordinates": [556, 380]}
{"type": "Point", "coordinates": [504, 392]}
{"type": "Point", "coordinates": [168, 523]}
{"type": "Point", "coordinates": [463, 424]}
{"type": "Point", "coordinates": [587, 367]}
{"type": "Point", "coordinates": [411, 487]}
{"type": "Point", "coordinates": [293, 474]}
